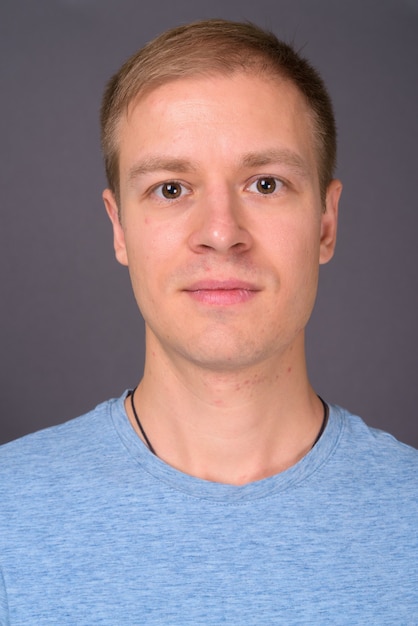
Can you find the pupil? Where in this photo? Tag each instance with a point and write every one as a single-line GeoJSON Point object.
{"type": "Point", "coordinates": [266, 185]}
{"type": "Point", "coordinates": [171, 190]}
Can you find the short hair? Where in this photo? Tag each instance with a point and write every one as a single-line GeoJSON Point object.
{"type": "Point", "coordinates": [209, 48]}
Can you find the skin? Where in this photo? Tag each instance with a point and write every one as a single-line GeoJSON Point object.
{"type": "Point", "coordinates": [224, 270]}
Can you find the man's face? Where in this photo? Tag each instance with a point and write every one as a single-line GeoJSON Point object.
{"type": "Point", "coordinates": [222, 225]}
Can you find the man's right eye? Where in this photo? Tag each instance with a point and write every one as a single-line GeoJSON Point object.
{"type": "Point", "coordinates": [170, 190]}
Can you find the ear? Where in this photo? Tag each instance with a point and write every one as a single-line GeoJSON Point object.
{"type": "Point", "coordinates": [118, 233]}
{"type": "Point", "coordinates": [329, 220]}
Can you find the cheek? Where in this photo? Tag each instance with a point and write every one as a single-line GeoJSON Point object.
{"type": "Point", "coordinates": [295, 243]}
{"type": "Point", "coordinates": [152, 249]}
{"type": "Point", "coordinates": [296, 249]}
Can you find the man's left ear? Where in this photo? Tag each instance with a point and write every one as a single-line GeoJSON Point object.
{"type": "Point", "coordinates": [329, 220]}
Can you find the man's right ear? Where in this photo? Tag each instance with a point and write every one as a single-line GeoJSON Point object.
{"type": "Point", "coordinates": [118, 232]}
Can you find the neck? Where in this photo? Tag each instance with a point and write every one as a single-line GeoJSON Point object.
{"type": "Point", "coordinates": [229, 427]}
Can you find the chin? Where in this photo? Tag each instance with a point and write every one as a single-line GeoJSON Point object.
{"type": "Point", "coordinates": [227, 356]}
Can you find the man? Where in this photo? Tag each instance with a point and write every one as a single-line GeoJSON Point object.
{"type": "Point", "coordinates": [222, 489]}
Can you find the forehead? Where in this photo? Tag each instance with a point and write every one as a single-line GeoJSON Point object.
{"type": "Point", "coordinates": [220, 116]}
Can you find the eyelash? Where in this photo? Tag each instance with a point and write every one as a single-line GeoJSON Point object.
{"type": "Point", "coordinates": [158, 189]}
{"type": "Point", "coordinates": [279, 185]}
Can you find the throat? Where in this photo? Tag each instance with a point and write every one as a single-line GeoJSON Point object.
{"type": "Point", "coordinates": [227, 462]}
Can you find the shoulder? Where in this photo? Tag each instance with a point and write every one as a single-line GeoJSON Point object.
{"type": "Point", "coordinates": [54, 450]}
{"type": "Point", "coordinates": [369, 439]}
{"type": "Point", "coordinates": [374, 455]}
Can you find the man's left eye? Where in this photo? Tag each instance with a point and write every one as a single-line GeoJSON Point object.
{"type": "Point", "coordinates": [265, 185]}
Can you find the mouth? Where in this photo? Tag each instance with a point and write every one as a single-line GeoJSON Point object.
{"type": "Point", "coordinates": [223, 292]}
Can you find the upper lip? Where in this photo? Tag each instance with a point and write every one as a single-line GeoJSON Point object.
{"type": "Point", "coordinates": [218, 285]}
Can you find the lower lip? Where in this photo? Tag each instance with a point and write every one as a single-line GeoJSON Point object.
{"type": "Point", "coordinates": [222, 297]}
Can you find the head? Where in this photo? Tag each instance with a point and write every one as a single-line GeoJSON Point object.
{"type": "Point", "coordinates": [211, 48]}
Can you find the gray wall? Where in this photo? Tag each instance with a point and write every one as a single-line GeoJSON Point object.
{"type": "Point", "coordinates": [70, 332]}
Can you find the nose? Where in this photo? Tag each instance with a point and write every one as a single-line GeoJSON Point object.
{"type": "Point", "coordinates": [219, 225]}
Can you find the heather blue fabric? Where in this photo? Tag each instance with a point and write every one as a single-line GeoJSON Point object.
{"type": "Point", "coordinates": [96, 530]}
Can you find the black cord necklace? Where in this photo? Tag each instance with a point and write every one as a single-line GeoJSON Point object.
{"type": "Point", "coordinates": [151, 448]}
{"type": "Point", "coordinates": [147, 441]}
{"type": "Point", "coordinates": [324, 422]}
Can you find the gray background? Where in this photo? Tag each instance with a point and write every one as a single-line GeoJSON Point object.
{"type": "Point", "coordinates": [71, 335]}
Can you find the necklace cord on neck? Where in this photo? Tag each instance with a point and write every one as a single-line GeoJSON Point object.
{"type": "Point", "coordinates": [324, 422]}
{"type": "Point", "coordinates": [151, 448]}
{"type": "Point", "coordinates": [147, 441]}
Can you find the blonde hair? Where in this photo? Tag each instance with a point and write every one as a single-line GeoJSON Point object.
{"type": "Point", "coordinates": [208, 48]}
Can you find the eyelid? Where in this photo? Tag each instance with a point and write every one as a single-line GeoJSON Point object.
{"type": "Point", "coordinates": [156, 190]}
{"type": "Point", "coordinates": [279, 182]}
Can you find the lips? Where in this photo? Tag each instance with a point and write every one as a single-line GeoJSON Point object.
{"type": "Point", "coordinates": [222, 292]}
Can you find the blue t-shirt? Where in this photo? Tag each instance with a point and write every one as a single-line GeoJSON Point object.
{"type": "Point", "coordinates": [94, 529]}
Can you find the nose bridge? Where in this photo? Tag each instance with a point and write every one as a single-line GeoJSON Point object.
{"type": "Point", "coordinates": [220, 221]}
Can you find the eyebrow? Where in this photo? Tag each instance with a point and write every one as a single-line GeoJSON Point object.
{"type": "Point", "coordinates": [157, 163]}
{"type": "Point", "coordinates": [250, 160]}
{"type": "Point", "coordinates": [281, 155]}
